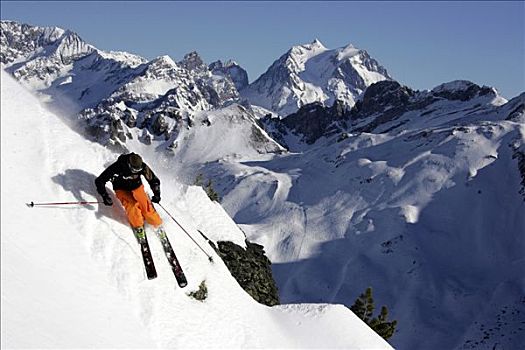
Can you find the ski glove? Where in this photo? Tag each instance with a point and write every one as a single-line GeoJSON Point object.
{"type": "Point", "coordinates": [156, 198]}
{"type": "Point", "coordinates": [156, 193]}
{"type": "Point", "coordinates": [107, 200]}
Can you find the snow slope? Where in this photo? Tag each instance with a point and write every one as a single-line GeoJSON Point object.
{"type": "Point", "coordinates": [72, 277]}
{"type": "Point", "coordinates": [430, 216]}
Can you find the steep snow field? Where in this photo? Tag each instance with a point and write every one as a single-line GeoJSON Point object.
{"type": "Point", "coordinates": [72, 277]}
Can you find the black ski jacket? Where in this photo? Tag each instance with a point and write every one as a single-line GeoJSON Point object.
{"type": "Point", "coordinates": [123, 179]}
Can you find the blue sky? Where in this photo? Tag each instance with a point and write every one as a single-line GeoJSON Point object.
{"type": "Point", "coordinates": [422, 44]}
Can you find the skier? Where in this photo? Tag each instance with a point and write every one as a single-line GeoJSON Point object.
{"type": "Point", "coordinates": [125, 176]}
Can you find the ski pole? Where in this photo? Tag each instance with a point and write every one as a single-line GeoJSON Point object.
{"type": "Point", "coordinates": [186, 232]}
{"type": "Point", "coordinates": [33, 204]}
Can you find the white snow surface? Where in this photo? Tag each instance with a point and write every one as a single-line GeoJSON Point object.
{"type": "Point", "coordinates": [73, 277]}
{"type": "Point", "coordinates": [430, 215]}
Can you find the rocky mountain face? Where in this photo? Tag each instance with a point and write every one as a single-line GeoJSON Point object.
{"type": "Point", "coordinates": [58, 62]}
{"type": "Point", "coordinates": [232, 70]}
{"type": "Point", "coordinates": [251, 268]}
{"type": "Point", "coordinates": [115, 91]}
{"type": "Point", "coordinates": [381, 109]}
{"type": "Point", "coordinates": [312, 73]}
{"type": "Point", "coordinates": [22, 41]}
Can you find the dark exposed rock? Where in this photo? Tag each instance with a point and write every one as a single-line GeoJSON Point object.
{"type": "Point", "coordinates": [252, 270]}
{"type": "Point", "coordinates": [160, 125]}
{"type": "Point", "coordinates": [200, 294]}
{"type": "Point", "coordinates": [383, 103]}
{"type": "Point", "coordinates": [130, 118]}
{"type": "Point", "coordinates": [383, 95]}
{"type": "Point", "coordinates": [232, 70]}
{"type": "Point", "coordinates": [461, 90]}
{"type": "Point", "coordinates": [315, 120]}
{"type": "Point", "coordinates": [387, 99]}
{"type": "Point", "coordinates": [516, 113]}
{"type": "Point", "coordinates": [211, 95]}
{"type": "Point", "coordinates": [193, 62]}
{"type": "Point", "coordinates": [520, 156]}
{"type": "Point", "coordinates": [275, 128]}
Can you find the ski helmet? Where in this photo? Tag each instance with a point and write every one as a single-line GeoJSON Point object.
{"type": "Point", "coordinates": [135, 163]}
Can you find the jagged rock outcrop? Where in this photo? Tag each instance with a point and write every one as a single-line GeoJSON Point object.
{"type": "Point", "coordinates": [193, 62]}
{"type": "Point", "coordinates": [232, 70]}
{"type": "Point", "coordinates": [22, 40]}
{"type": "Point", "coordinates": [251, 268]}
{"type": "Point", "coordinates": [461, 90]}
{"type": "Point", "coordinates": [380, 110]}
{"type": "Point", "coordinates": [388, 100]}
{"type": "Point", "coordinates": [315, 120]}
{"type": "Point", "coordinates": [59, 63]}
{"type": "Point", "coordinates": [47, 50]}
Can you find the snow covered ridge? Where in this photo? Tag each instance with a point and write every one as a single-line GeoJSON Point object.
{"type": "Point", "coordinates": [21, 40]}
{"type": "Point", "coordinates": [305, 74]}
{"type": "Point", "coordinates": [312, 73]}
{"type": "Point", "coordinates": [115, 91]}
{"type": "Point", "coordinates": [386, 106]}
{"type": "Point", "coordinates": [230, 132]}
{"type": "Point", "coordinates": [74, 277]}
{"type": "Point", "coordinates": [58, 63]}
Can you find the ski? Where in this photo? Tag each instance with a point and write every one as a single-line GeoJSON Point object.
{"type": "Point", "coordinates": [140, 234]}
{"type": "Point", "coordinates": [172, 258]}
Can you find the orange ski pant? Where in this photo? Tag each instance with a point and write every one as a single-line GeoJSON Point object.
{"type": "Point", "coordinates": [138, 207]}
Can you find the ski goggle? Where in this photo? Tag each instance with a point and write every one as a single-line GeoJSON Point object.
{"type": "Point", "coordinates": [135, 170]}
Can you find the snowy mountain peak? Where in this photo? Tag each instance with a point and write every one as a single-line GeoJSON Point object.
{"type": "Point", "coordinates": [349, 51]}
{"type": "Point", "coordinates": [22, 41]}
{"type": "Point", "coordinates": [71, 46]}
{"type": "Point", "coordinates": [316, 44]}
{"type": "Point", "coordinates": [312, 73]}
{"type": "Point", "coordinates": [455, 85]}
{"type": "Point", "coordinates": [301, 53]}
{"type": "Point", "coordinates": [164, 60]}
{"type": "Point", "coordinates": [230, 63]}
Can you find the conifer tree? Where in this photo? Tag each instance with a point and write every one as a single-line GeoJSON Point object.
{"type": "Point", "coordinates": [212, 194]}
{"type": "Point", "coordinates": [210, 191]}
{"type": "Point", "coordinates": [198, 180]}
{"type": "Point", "coordinates": [364, 305]}
{"type": "Point", "coordinates": [364, 308]}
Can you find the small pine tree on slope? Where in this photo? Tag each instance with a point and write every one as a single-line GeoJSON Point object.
{"type": "Point", "coordinates": [364, 308]}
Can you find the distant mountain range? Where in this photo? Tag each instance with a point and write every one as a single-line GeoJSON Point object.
{"type": "Point", "coordinates": [348, 178]}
